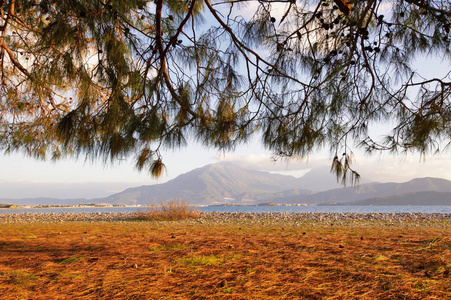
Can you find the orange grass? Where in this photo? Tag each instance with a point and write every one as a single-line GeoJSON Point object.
{"type": "Point", "coordinates": [180, 260]}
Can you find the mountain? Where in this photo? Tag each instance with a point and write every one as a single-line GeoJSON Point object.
{"type": "Point", "coordinates": [227, 183]}
{"type": "Point", "coordinates": [319, 180]}
{"type": "Point", "coordinates": [44, 201]}
{"type": "Point", "coordinates": [380, 190]}
{"type": "Point", "coordinates": [61, 190]}
{"type": "Point", "coordinates": [418, 198]}
{"type": "Point", "coordinates": [316, 180]}
{"type": "Point", "coordinates": [220, 183]}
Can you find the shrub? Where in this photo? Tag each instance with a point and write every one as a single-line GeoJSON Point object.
{"type": "Point", "coordinates": [170, 211]}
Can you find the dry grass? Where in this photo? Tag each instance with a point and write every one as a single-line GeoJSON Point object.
{"type": "Point", "coordinates": [174, 210]}
{"type": "Point", "coordinates": [177, 260]}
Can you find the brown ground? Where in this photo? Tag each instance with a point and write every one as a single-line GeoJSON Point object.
{"type": "Point", "coordinates": [177, 260]}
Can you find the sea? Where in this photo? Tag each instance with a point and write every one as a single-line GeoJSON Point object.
{"type": "Point", "coordinates": [250, 209]}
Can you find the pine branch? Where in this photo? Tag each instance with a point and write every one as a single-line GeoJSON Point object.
{"type": "Point", "coordinates": [15, 62]}
{"type": "Point", "coordinates": [162, 51]}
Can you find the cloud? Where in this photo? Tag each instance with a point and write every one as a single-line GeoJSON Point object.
{"type": "Point", "coordinates": [401, 169]}
{"type": "Point", "coordinates": [267, 162]}
{"type": "Point", "coordinates": [384, 168]}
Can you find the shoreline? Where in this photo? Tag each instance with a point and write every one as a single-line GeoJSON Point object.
{"type": "Point", "coordinates": [271, 218]}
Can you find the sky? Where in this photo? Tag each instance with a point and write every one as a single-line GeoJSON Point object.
{"type": "Point", "coordinates": [22, 177]}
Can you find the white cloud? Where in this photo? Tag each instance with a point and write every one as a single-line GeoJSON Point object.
{"type": "Point", "coordinates": [267, 162]}
{"type": "Point", "coordinates": [401, 169]}
{"type": "Point", "coordinates": [385, 168]}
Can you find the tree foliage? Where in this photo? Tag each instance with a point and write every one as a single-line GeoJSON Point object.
{"type": "Point", "coordinates": [110, 78]}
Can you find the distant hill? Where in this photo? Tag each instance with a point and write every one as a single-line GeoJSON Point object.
{"type": "Point", "coordinates": [383, 190]}
{"type": "Point", "coordinates": [319, 180]}
{"type": "Point", "coordinates": [227, 183]}
{"type": "Point", "coordinates": [418, 198]}
{"type": "Point", "coordinates": [44, 201]}
{"type": "Point", "coordinates": [61, 190]}
{"type": "Point", "coordinates": [218, 183]}
{"type": "Point", "coordinates": [223, 183]}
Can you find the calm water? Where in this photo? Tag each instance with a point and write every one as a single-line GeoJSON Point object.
{"type": "Point", "coordinates": [294, 209]}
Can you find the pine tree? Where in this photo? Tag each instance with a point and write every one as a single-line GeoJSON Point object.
{"type": "Point", "coordinates": [109, 78]}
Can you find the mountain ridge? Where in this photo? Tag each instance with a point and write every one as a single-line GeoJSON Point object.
{"type": "Point", "coordinates": [219, 183]}
{"type": "Point", "coordinates": [416, 198]}
{"type": "Point", "coordinates": [380, 190]}
{"type": "Point", "coordinates": [227, 183]}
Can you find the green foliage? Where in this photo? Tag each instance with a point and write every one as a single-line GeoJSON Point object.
{"type": "Point", "coordinates": [22, 278]}
{"type": "Point", "coordinates": [199, 260]}
{"type": "Point", "coordinates": [119, 78]}
{"type": "Point", "coordinates": [72, 260]}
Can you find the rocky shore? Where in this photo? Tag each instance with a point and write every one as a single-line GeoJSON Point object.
{"type": "Point", "coordinates": [295, 219]}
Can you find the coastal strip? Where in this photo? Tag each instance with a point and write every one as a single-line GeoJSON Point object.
{"type": "Point", "coordinates": [330, 219]}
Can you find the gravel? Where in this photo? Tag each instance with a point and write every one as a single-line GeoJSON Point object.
{"type": "Point", "coordinates": [296, 219]}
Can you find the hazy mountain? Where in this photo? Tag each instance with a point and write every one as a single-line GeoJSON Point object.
{"type": "Point", "coordinates": [418, 198]}
{"type": "Point", "coordinates": [379, 190]}
{"type": "Point", "coordinates": [284, 197]}
{"type": "Point", "coordinates": [316, 180]}
{"type": "Point", "coordinates": [213, 184]}
{"type": "Point", "coordinates": [30, 189]}
{"type": "Point", "coordinates": [319, 180]}
{"type": "Point", "coordinates": [227, 183]}
{"type": "Point", "coordinates": [44, 201]}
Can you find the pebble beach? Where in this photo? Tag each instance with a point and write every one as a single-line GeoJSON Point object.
{"type": "Point", "coordinates": [330, 219]}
